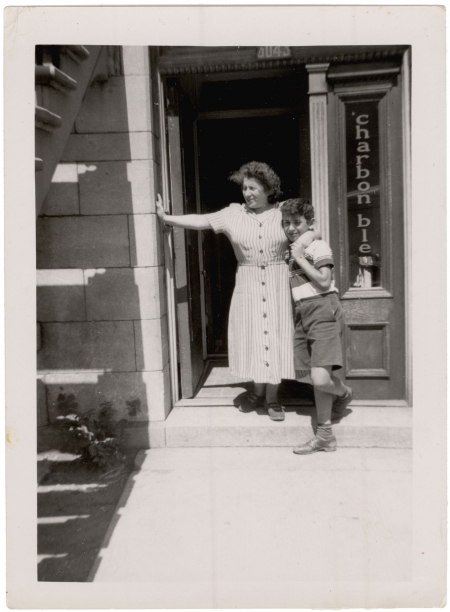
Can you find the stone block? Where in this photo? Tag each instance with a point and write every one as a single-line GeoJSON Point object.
{"type": "Point", "coordinates": [104, 108]}
{"type": "Point", "coordinates": [136, 60]}
{"type": "Point", "coordinates": [62, 197]}
{"type": "Point", "coordinates": [135, 435]}
{"type": "Point", "coordinates": [136, 397]}
{"type": "Point", "coordinates": [145, 240]}
{"type": "Point", "coordinates": [124, 294]}
{"type": "Point", "coordinates": [42, 414]}
{"type": "Point", "coordinates": [82, 242]}
{"type": "Point", "coordinates": [60, 295]}
{"type": "Point", "coordinates": [152, 344]}
{"type": "Point", "coordinates": [139, 103]}
{"type": "Point", "coordinates": [157, 434]}
{"type": "Point", "coordinates": [109, 188]}
{"type": "Point", "coordinates": [158, 393]}
{"type": "Point", "coordinates": [108, 147]}
{"type": "Point", "coordinates": [96, 346]}
{"type": "Point", "coordinates": [126, 391]}
{"type": "Point", "coordinates": [122, 104]}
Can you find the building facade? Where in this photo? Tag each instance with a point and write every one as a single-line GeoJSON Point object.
{"type": "Point", "coordinates": [131, 313]}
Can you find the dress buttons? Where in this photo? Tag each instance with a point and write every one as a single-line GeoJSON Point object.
{"type": "Point", "coordinates": [259, 236]}
{"type": "Point", "coordinates": [265, 332]}
{"type": "Point", "coordinates": [260, 225]}
{"type": "Point", "coordinates": [267, 348]}
{"type": "Point", "coordinates": [263, 267]}
{"type": "Point", "coordinates": [261, 251]}
{"type": "Point", "coordinates": [267, 363]}
{"type": "Point", "coordinates": [263, 283]}
{"type": "Point", "coordinates": [264, 299]}
{"type": "Point", "coordinates": [265, 316]}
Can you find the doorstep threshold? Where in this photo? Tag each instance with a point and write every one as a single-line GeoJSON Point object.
{"type": "Point", "coordinates": [198, 402]}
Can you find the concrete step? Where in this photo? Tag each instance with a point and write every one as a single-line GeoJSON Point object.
{"type": "Point", "coordinates": [363, 427]}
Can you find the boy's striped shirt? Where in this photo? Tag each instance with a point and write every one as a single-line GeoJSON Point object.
{"type": "Point", "coordinates": [318, 254]}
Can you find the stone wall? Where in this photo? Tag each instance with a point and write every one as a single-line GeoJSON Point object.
{"type": "Point", "coordinates": [101, 307]}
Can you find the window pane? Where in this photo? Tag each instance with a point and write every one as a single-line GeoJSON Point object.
{"type": "Point", "coordinates": [363, 194]}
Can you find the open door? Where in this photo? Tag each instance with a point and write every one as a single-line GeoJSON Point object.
{"type": "Point", "coordinates": [181, 144]}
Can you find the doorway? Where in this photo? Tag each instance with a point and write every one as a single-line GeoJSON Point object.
{"type": "Point", "coordinates": [213, 128]}
{"type": "Point", "coordinates": [216, 122]}
{"type": "Point", "coordinates": [223, 146]}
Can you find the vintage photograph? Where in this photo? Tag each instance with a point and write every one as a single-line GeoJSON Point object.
{"type": "Point", "coordinates": [224, 260]}
{"type": "Point", "coordinates": [221, 265]}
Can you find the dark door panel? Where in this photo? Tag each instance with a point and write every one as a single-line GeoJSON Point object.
{"type": "Point", "coordinates": [367, 231]}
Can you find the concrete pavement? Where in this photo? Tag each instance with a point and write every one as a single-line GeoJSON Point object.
{"type": "Point", "coordinates": [262, 527]}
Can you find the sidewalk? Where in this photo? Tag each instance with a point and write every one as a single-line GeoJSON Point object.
{"type": "Point", "coordinates": [260, 527]}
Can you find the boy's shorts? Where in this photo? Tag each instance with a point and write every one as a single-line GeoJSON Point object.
{"type": "Point", "coordinates": [319, 326]}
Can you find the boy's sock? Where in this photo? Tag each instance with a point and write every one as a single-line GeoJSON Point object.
{"type": "Point", "coordinates": [324, 432]}
{"type": "Point", "coordinates": [346, 393]}
{"type": "Point", "coordinates": [341, 402]}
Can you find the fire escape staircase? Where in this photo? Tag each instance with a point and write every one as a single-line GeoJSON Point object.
{"type": "Point", "coordinates": [62, 75]}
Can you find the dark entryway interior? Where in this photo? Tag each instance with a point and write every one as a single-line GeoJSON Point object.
{"type": "Point", "coordinates": [224, 145]}
{"type": "Point", "coordinates": [273, 128]}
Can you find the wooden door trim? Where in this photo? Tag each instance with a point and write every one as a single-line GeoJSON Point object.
{"type": "Point", "coordinates": [370, 93]}
{"type": "Point", "coordinates": [168, 253]}
{"type": "Point", "coordinates": [247, 113]}
{"type": "Point", "coordinates": [200, 247]}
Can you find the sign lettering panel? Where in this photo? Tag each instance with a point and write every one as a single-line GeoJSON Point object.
{"type": "Point", "coordinates": [363, 194]}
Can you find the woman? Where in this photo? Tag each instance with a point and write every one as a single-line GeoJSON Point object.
{"type": "Point", "coordinates": [260, 326]}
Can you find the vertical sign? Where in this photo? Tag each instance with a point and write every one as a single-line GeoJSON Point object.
{"type": "Point", "coordinates": [363, 194]}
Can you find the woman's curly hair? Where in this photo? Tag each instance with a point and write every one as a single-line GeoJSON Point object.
{"type": "Point", "coordinates": [264, 174]}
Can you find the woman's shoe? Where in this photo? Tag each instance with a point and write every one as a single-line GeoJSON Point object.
{"type": "Point", "coordinates": [274, 410]}
{"type": "Point", "coordinates": [251, 402]}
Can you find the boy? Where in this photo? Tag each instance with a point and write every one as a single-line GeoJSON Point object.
{"type": "Point", "coordinates": [319, 323]}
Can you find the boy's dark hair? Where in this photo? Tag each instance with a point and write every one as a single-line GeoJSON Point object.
{"type": "Point", "coordinates": [264, 174]}
{"type": "Point", "coordinates": [298, 206]}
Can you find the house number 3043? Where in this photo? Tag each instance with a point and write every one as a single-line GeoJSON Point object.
{"type": "Point", "coordinates": [273, 52]}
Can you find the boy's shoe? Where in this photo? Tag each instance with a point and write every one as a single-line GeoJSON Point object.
{"type": "Point", "coordinates": [340, 404]}
{"type": "Point", "coordinates": [274, 410]}
{"type": "Point", "coordinates": [251, 401]}
{"type": "Point", "coordinates": [315, 445]}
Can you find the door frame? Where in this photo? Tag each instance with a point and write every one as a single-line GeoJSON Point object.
{"type": "Point", "coordinates": [407, 203]}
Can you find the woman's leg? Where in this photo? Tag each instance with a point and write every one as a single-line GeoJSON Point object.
{"type": "Point", "coordinates": [271, 393]}
{"type": "Point", "coordinates": [260, 389]}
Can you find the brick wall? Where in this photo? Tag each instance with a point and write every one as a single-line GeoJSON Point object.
{"type": "Point", "coordinates": [100, 282]}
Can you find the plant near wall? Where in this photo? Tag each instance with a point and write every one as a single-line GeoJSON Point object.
{"type": "Point", "coordinates": [98, 433]}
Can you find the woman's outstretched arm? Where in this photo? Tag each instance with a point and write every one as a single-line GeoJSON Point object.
{"type": "Point", "coordinates": [195, 222]}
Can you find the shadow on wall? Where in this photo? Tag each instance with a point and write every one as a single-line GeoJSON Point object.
{"type": "Point", "coordinates": [101, 324]}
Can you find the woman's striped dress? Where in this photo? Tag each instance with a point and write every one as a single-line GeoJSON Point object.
{"type": "Point", "coordinates": [260, 327]}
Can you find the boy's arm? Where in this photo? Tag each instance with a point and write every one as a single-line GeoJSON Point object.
{"type": "Point", "coordinates": [319, 276]}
